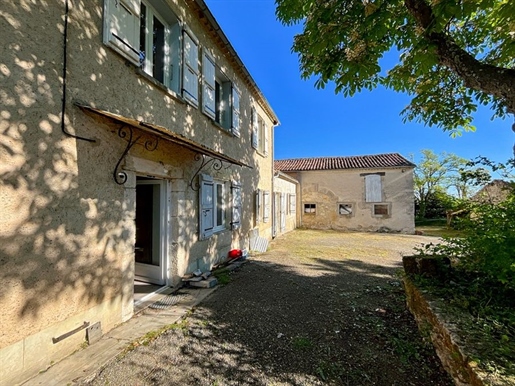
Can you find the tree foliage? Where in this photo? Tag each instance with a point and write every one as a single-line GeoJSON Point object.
{"type": "Point", "coordinates": [454, 54]}
{"type": "Point", "coordinates": [435, 174]}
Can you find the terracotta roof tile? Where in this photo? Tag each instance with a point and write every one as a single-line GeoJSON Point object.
{"type": "Point", "coordinates": [377, 161]}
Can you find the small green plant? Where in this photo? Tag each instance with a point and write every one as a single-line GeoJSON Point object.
{"type": "Point", "coordinates": [301, 343]}
{"type": "Point", "coordinates": [223, 278]}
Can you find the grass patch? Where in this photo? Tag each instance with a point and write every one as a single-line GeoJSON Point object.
{"type": "Point", "coordinates": [150, 336]}
{"type": "Point", "coordinates": [223, 277]}
{"type": "Point", "coordinates": [438, 231]}
{"type": "Point", "coordinates": [301, 343]}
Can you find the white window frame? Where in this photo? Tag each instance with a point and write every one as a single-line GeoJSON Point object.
{"type": "Point", "coordinates": [254, 128]}
{"type": "Point", "coordinates": [223, 202]}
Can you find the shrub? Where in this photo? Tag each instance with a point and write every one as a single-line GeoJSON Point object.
{"type": "Point", "coordinates": [488, 247]}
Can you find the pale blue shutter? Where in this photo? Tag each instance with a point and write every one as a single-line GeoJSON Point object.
{"type": "Point", "coordinates": [258, 205]}
{"type": "Point", "coordinates": [265, 145]}
{"type": "Point", "coordinates": [236, 205]}
{"type": "Point", "coordinates": [206, 206]}
{"type": "Point", "coordinates": [190, 70]}
{"type": "Point", "coordinates": [373, 189]}
{"type": "Point", "coordinates": [235, 112]}
{"type": "Point", "coordinates": [121, 27]}
{"type": "Point", "coordinates": [254, 120]}
{"type": "Point", "coordinates": [208, 86]}
{"type": "Point", "coordinates": [266, 206]}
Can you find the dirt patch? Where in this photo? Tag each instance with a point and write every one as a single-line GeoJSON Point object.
{"type": "Point", "coordinates": [319, 308]}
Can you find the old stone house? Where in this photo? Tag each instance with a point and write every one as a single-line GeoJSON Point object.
{"type": "Point", "coordinates": [361, 193]}
{"type": "Point", "coordinates": [134, 145]}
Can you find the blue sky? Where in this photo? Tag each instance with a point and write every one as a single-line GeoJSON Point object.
{"type": "Point", "coordinates": [319, 123]}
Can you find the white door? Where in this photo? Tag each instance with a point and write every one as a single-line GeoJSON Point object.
{"type": "Point", "coordinates": [151, 214]}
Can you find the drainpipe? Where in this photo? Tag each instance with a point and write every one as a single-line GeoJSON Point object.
{"type": "Point", "coordinates": [65, 67]}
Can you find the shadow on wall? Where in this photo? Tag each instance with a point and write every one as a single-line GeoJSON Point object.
{"type": "Point", "coordinates": [66, 229]}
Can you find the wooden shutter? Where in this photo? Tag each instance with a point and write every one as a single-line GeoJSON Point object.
{"type": "Point", "coordinates": [282, 212]}
{"type": "Point", "coordinates": [258, 205]}
{"type": "Point", "coordinates": [190, 71]}
{"type": "Point", "coordinates": [206, 206]}
{"type": "Point", "coordinates": [255, 138]}
{"type": "Point", "coordinates": [265, 136]}
{"type": "Point", "coordinates": [208, 86]}
{"type": "Point", "coordinates": [293, 203]}
{"type": "Point", "coordinates": [235, 112]}
{"type": "Point", "coordinates": [266, 206]}
{"type": "Point", "coordinates": [236, 205]}
{"type": "Point", "coordinates": [121, 27]}
{"type": "Point", "coordinates": [373, 189]}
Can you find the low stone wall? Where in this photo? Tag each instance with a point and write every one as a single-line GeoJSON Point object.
{"type": "Point", "coordinates": [444, 337]}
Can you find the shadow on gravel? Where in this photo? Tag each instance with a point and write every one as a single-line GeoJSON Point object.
{"type": "Point", "coordinates": [282, 322]}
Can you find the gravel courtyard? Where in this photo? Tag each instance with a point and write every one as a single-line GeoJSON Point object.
{"type": "Point", "coordinates": [319, 308]}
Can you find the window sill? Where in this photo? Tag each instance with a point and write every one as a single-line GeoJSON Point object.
{"type": "Point", "coordinates": [160, 85]}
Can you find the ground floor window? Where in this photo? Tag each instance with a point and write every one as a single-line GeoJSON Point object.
{"type": "Point", "coordinates": [345, 209]}
{"type": "Point", "coordinates": [381, 210]}
{"type": "Point", "coordinates": [310, 208]}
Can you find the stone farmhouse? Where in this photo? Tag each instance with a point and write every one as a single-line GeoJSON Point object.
{"type": "Point", "coordinates": [359, 193]}
{"type": "Point", "coordinates": [135, 148]}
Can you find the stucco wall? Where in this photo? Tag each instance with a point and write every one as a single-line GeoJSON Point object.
{"type": "Point", "coordinates": [67, 230]}
{"type": "Point", "coordinates": [327, 189]}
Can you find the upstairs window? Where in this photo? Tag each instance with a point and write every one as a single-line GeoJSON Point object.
{"type": "Point", "coordinates": [149, 34]}
{"type": "Point", "coordinates": [221, 100]}
{"type": "Point", "coordinates": [259, 133]}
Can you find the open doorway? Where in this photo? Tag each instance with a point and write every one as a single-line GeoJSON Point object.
{"type": "Point", "coordinates": [150, 248]}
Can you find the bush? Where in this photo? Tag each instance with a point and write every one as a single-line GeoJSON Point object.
{"type": "Point", "coordinates": [488, 247]}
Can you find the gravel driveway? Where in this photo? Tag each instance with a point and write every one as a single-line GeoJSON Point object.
{"type": "Point", "coordinates": [320, 308]}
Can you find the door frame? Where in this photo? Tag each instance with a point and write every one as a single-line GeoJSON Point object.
{"type": "Point", "coordinates": [146, 272]}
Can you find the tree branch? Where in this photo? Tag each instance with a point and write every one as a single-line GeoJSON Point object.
{"type": "Point", "coordinates": [496, 81]}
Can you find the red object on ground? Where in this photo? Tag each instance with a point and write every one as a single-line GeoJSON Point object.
{"type": "Point", "coordinates": [235, 253]}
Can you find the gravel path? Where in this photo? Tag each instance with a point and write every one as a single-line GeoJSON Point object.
{"type": "Point", "coordinates": [320, 308]}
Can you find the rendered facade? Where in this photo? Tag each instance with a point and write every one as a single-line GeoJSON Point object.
{"type": "Point", "coordinates": [133, 142]}
{"type": "Point", "coordinates": [358, 193]}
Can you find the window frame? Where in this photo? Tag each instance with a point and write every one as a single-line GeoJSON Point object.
{"type": "Point", "coordinates": [383, 204]}
{"type": "Point", "coordinates": [313, 208]}
{"type": "Point", "coordinates": [338, 209]}
{"type": "Point", "coordinates": [223, 202]}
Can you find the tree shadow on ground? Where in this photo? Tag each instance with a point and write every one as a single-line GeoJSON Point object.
{"type": "Point", "coordinates": [327, 322]}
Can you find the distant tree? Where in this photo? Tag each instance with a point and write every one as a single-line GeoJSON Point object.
{"type": "Point", "coordinates": [437, 204]}
{"type": "Point", "coordinates": [454, 55]}
{"type": "Point", "coordinates": [469, 180]}
{"type": "Point", "coordinates": [434, 174]}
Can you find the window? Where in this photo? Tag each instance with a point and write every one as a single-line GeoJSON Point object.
{"type": "Point", "coordinates": [121, 27]}
{"type": "Point", "coordinates": [310, 208]}
{"type": "Point", "coordinates": [212, 202]}
{"type": "Point", "coordinates": [345, 209]}
{"type": "Point", "coordinates": [381, 210]}
{"type": "Point", "coordinates": [373, 188]}
{"type": "Point", "coordinates": [148, 33]}
{"type": "Point", "coordinates": [221, 100]}
{"type": "Point", "coordinates": [259, 133]}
